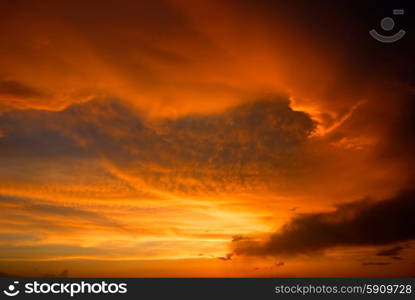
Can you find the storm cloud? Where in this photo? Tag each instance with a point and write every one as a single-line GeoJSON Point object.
{"type": "Point", "coordinates": [360, 223]}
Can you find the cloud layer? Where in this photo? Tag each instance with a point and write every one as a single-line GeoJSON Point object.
{"type": "Point", "coordinates": [250, 141]}
{"type": "Point", "coordinates": [359, 223]}
{"type": "Point", "coordinates": [163, 129]}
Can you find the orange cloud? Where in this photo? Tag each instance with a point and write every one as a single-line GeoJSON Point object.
{"type": "Point", "coordinates": [156, 132]}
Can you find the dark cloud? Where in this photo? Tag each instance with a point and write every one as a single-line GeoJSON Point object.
{"type": "Point", "coordinates": [360, 60]}
{"type": "Point", "coordinates": [237, 238]}
{"type": "Point", "coordinates": [63, 274]}
{"type": "Point", "coordinates": [251, 140]}
{"type": "Point", "coordinates": [164, 55]}
{"type": "Point", "coordinates": [370, 263]}
{"type": "Point", "coordinates": [279, 264]}
{"type": "Point", "coordinates": [390, 251]}
{"type": "Point", "coordinates": [227, 257]}
{"type": "Point", "coordinates": [12, 88]}
{"type": "Point", "coordinates": [400, 138]}
{"type": "Point", "coordinates": [8, 275]}
{"type": "Point", "coordinates": [355, 224]}
{"type": "Point", "coordinates": [15, 94]}
{"type": "Point", "coordinates": [35, 134]}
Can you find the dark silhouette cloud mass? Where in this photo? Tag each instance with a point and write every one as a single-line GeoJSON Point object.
{"type": "Point", "coordinates": [358, 223]}
{"type": "Point", "coordinates": [375, 263]}
{"type": "Point", "coordinates": [390, 251]}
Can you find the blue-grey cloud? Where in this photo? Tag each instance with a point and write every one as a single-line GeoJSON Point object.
{"type": "Point", "coordinates": [254, 140]}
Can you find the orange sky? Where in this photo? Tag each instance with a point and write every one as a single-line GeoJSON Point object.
{"type": "Point", "coordinates": [202, 138]}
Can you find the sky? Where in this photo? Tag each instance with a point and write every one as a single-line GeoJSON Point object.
{"type": "Point", "coordinates": [212, 138]}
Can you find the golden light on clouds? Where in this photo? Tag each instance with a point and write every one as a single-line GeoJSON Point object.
{"type": "Point", "coordinates": [200, 138]}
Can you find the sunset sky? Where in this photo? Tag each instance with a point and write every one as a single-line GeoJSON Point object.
{"type": "Point", "coordinates": [207, 138]}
